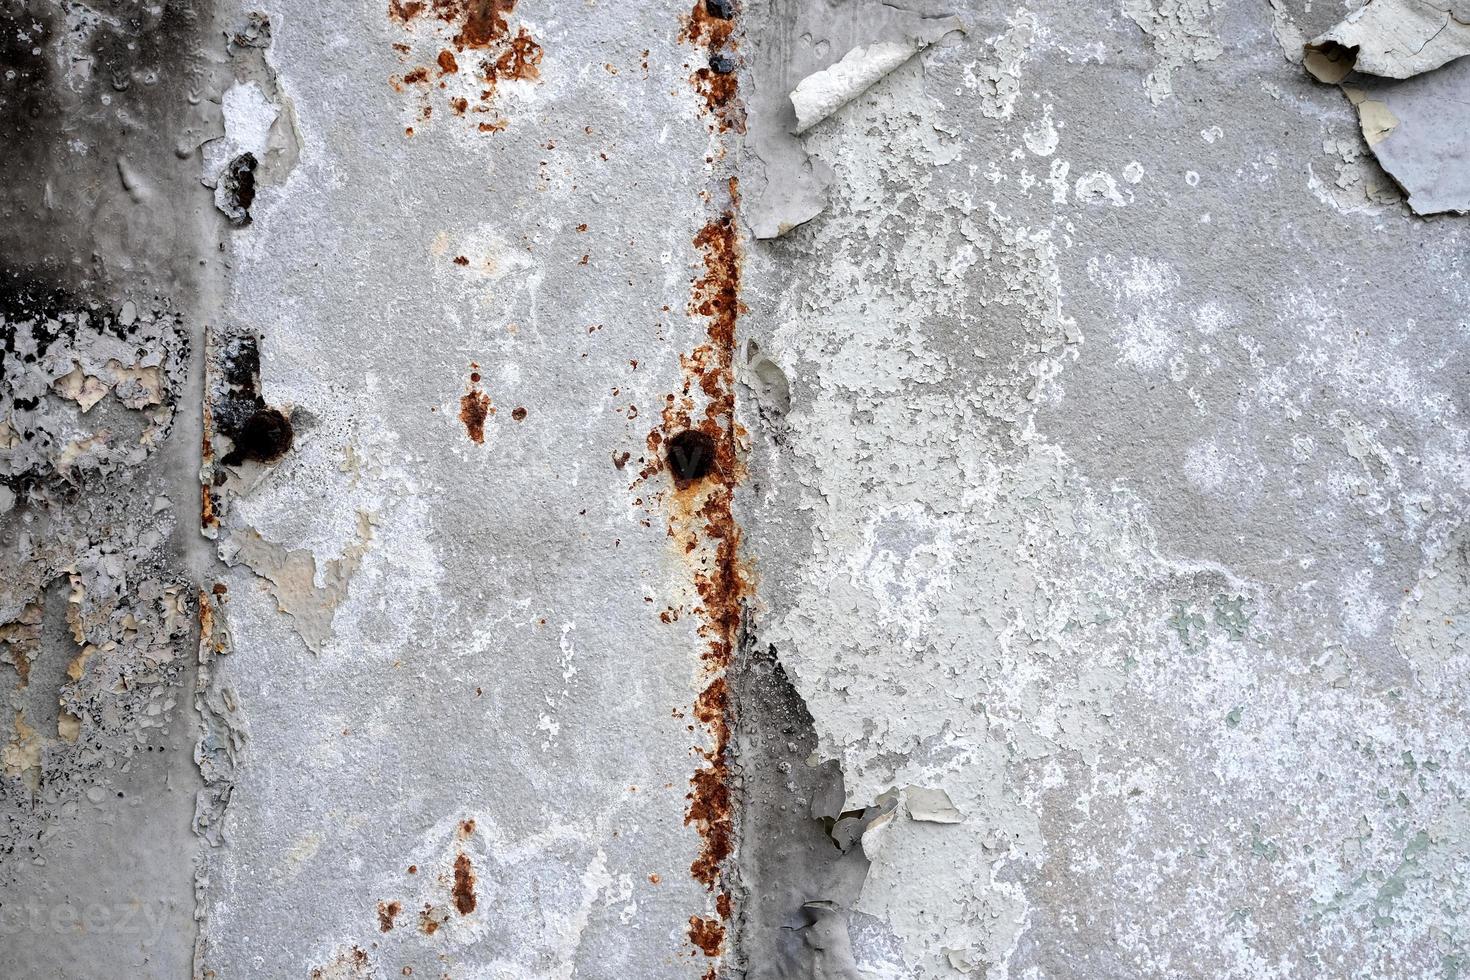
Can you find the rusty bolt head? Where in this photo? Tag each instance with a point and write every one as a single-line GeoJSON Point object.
{"type": "Point", "coordinates": [691, 455]}
{"type": "Point", "coordinates": [265, 437]}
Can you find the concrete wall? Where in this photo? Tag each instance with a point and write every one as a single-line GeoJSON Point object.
{"type": "Point", "coordinates": [765, 489]}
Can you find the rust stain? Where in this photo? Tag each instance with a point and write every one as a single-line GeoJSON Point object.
{"type": "Point", "coordinates": [472, 39]}
{"type": "Point", "coordinates": [475, 407]}
{"type": "Point", "coordinates": [694, 449]}
{"type": "Point", "coordinates": [387, 912]}
{"type": "Point", "coordinates": [711, 27]}
{"type": "Point", "coordinates": [353, 962]}
{"type": "Point", "coordinates": [207, 516]}
{"type": "Point", "coordinates": [464, 885]}
{"type": "Point", "coordinates": [709, 798]}
{"type": "Point", "coordinates": [484, 20]}
{"type": "Point", "coordinates": [206, 616]}
{"type": "Point", "coordinates": [707, 934]}
{"type": "Point", "coordinates": [707, 27]}
{"type": "Point", "coordinates": [403, 13]}
{"type": "Point", "coordinates": [430, 919]}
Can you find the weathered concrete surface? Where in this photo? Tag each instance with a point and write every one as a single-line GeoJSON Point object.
{"type": "Point", "coordinates": [1120, 496]}
{"type": "Point", "coordinates": [485, 499]}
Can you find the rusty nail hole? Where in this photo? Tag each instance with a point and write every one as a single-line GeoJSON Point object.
{"type": "Point", "coordinates": [691, 454]}
{"type": "Point", "coordinates": [265, 437]}
{"type": "Point", "coordinates": [723, 9]}
{"type": "Point", "coordinates": [721, 64]}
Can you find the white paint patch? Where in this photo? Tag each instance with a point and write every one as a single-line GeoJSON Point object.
{"type": "Point", "coordinates": [998, 80]}
{"type": "Point", "coordinates": [1183, 32]}
{"type": "Point", "coordinates": [1041, 136]}
{"type": "Point", "coordinates": [1058, 181]}
{"type": "Point", "coordinates": [822, 93]}
{"type": "Point", "coordinates": [1098, 186]}
{"type": "Point", "coordinates": [248, 116]}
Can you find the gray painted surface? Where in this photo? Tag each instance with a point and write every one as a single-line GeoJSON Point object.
{"type": "Point", "coordinates": [1100, 414]}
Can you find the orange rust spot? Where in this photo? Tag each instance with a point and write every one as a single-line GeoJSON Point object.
{"type": "Point", "coordinates": [206, 629]}
{"type": "Point", "coordinates": [387, 912]}
{"type": "Point", "coordinates": [474, 406]}
{"type": "Point", "coordinates": [654, 879]}
{"type": "Point", "coordinates": [519, 414]}
{"type": "Point", "coordinates": [404, 12]}
{"type": "Point", "coordinates": [413, 869]}
{"type": "Point", "coordinates": [718, 92]}
{"type": "Point", "coordinates": [718, 89]}
{"type": "Point", "coordinates": [464, 885]}
{"type": "Point", "coordinates": [520, 61]}
{"type": "Point", "coordinates": [707, 934]}
{"type": "Point", "coordinates": [461, 260]}
{"type": "Point", "coordinates": [480, 30]}
{"type": "Point", "coordinates": [495, 127]}
{"type": "Point", "coordinates": [484, 20]}
{"type": "Point", "coordinates": [466, 829]}
{"type": "Point", "coordinates": [704, 28]}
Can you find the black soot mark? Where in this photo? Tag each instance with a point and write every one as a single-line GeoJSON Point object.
{"type": "Point", "coordinates": [265, 437]}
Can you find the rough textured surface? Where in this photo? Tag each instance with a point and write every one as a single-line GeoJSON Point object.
{"type": "Point", "coordinates": [484, 497]}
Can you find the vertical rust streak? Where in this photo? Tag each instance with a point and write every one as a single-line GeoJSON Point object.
{"type": "Point", "coordinates": [702, 519]}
